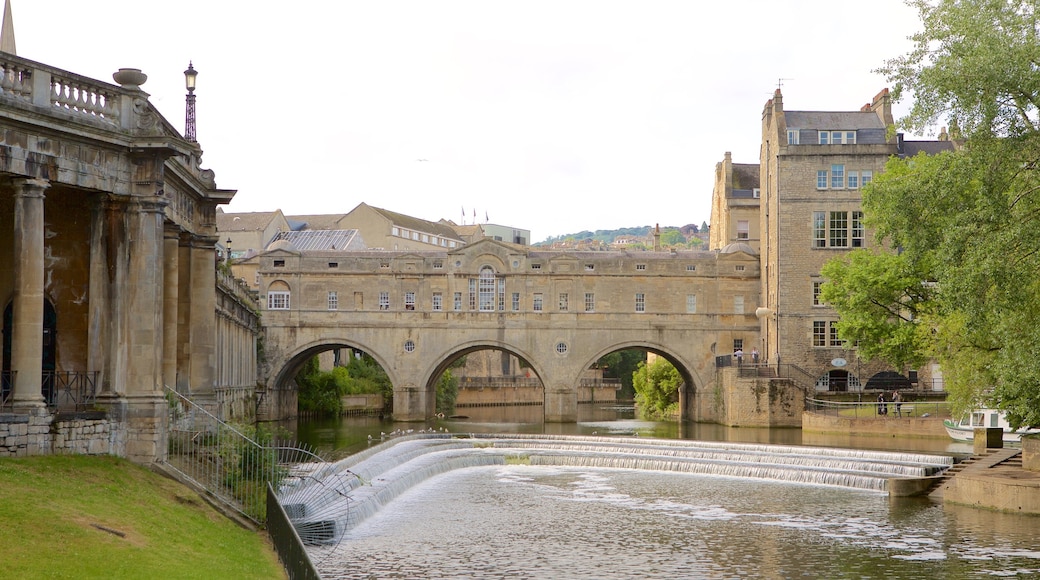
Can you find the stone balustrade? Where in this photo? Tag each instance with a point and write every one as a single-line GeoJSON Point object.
{"type": "Point", "coordinates": [44, 86]}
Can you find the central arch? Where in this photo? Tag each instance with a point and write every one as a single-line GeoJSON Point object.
{"type": "Point", "coordinates": [690, 377]}
{"type": "Point", "coordinates": [447, 357]}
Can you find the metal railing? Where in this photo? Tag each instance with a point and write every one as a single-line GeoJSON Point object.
{"type": "Point", "coordinates": [71, 389]}
{"type": "Point", "coordinates": [287, 542]}
{"type": "Point", "coordinates": [601, 383]}
{"type": "Point", "coordinates": [497, 382]}
{"type": "Point", "coordinates": [878, 409]}
{"type": "Point", "coordinates": [61, 390]}
{"type": "Point", "coordinates": [233, 463]}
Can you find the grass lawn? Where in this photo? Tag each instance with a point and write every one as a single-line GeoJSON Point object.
{"type": "Point", "coordinates": [102, 517]}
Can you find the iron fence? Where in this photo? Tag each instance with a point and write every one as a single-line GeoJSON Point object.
{"type": "Point", "coordinates": [875, 409]}
{"type": "Point", "coordinates": [6, 388]}
{"type": "Point", "coordinates": [233, 463]}
{"type": "Point", "coordinates": [71, 389]}
{"type": "Point", "coordinates": [61, 390]}
{"type": "Point", "coordinates": [287, 542]}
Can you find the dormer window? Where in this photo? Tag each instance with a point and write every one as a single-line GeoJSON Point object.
{"type": "Point", "coordinates": [837, 137]}
{"type": "Point", "coordinates": [792, 136]}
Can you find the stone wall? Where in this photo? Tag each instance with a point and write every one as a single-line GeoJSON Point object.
{"type": "Point", "coordinates": [907, 426]}
{"type": "Point", "coordinates": [751, 401]}
{"type": "Point", "coordinates": [1031, 452]}
{"type": "Point", "coordinates": [87, 433]}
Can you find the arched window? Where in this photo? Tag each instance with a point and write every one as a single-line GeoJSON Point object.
{"type": "Point", "coordinates": [278, 296]}
{"type": "Point", "coordinates": [486, 288]}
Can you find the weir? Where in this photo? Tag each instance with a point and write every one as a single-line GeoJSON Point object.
{"type": "Point", "coordinates": [327, 500]}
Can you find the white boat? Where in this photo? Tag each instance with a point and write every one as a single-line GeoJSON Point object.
{"type": "Point", "coordinates": [965, 430]}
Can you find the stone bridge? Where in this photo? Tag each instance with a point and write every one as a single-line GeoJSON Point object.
{"type": "Point", "coordinates": [559, 312]}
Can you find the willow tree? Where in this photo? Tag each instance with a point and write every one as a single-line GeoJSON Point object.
{"type": "Point", "coordinates": [965, 222]}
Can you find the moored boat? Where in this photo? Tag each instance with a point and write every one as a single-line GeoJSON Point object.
{"type": "Point", "coordinates": [979, 418]}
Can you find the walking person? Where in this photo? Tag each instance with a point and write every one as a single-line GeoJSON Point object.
{"type": "Point", "coordinates": [882, 406]}
{"type": "Point", "coordinates": [754, 355]}
{"type": "Point", "coordinates": [739, 353]}
{"type": "Point", "coordinates": [898, 400]}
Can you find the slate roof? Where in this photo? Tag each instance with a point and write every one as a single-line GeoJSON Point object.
{"type": "Point", "coordinates": [419, 225]}
{"type": "Point", "coordinates": [339, 240]}
{"type": "Point", "coordinates": [833, 120]}
{"type": "Point", "coordinates": [745, 175]}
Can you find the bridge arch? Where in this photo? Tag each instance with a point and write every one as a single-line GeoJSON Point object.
{"type": "Point", "coordinates": [442, 360]}
{"type": "Point", "coordinates": [685, 368]}
{"type": "Point", "coordinates": [290, 365]}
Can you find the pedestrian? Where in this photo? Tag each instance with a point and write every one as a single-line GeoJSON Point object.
{"type": "Point", "coordinates": [898, 400]}
{"type": "Point", "coordinates": [739, 353]}
{"type": "Point", "coordinates": [882, 406]}
{"type": "Point", "coordinates": [754, 355]}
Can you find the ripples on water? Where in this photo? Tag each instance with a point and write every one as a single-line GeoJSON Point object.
{"type": "Point", "coordinates": [545, 522]}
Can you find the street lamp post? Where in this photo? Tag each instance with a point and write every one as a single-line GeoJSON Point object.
{"type": "Point", "coordinates": [228, 248]}
{"type": "Point", "coordinates": [189, 115]}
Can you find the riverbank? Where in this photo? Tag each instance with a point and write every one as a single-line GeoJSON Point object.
{"type": "Point", "coordinates": [997, 481]}
{"type": "Point", "coordinates": [886, 425]}
{"type": "Point", "coordinates": [103, 517]}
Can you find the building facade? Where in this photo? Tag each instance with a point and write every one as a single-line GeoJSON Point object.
{"type": "Point", "coordinates": [813, 167]}
{"type": "Point", "coordinates": [111, 290]}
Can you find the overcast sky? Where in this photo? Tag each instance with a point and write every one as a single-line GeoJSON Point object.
{"type": "Point", "coordinates": [553, 116]}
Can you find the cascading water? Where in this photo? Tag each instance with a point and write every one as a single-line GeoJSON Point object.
{"type": "Point", "coordinates": [328, 501]}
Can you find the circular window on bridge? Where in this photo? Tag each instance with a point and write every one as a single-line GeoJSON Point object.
{"type": "Point", "coordinates": [458, 263]}
{"type": "Point", "coordinates": [409, 346]}
{"type": "Point", "coordinates": [561, 348]}
{"type": "Point", "coordinates": [516, 263]}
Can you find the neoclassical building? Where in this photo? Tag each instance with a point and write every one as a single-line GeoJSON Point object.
{"type": "Point", "coordinates": [111, 290]}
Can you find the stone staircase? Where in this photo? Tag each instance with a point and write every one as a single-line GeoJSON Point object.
{"type": "Point", "coordinates": [940, 482]}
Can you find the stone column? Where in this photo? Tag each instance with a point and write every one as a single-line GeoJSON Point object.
{"type": "Point", "coordinates": [27, 309]}
{"type": "Point", "coordinates": [145, 285]}
{"type": "Point", "coordinates": [171, 284]}
{"type": "Point", "coordinates": [98, 309]}
{"type": "Point", "coordinates": [202, 330]}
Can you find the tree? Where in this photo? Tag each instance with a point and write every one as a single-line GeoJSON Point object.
{"type": "Point", "coordinates": [657, 388]}
{"type": "Point", "coordinates": [622, 365]}
{"type": "Point", "coordinates": [672, 237]}
{"type": "Point", "coordinates": [885, 304]}
{"type": "Point", "coordinates": [964, 221]}
{"type": "Point", "coordinates": [975, 62]}
{"type": "Point", "coordinates": [447, 392]}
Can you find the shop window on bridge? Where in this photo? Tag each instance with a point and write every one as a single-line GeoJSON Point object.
{"type": "Point", "coordinates": [409, 300]}
{"type": "Point", "coordinates": [537, 302]}
{"type": "Point", "coordinates": [458, 301]}
{"type": "Point", "coordinates": [563, 301]}
{"type": "Point", "coordinates": [590, 302]}
{"type": "Point", "coordinates": [516, 302]}
{"type": "Point", "coordinates": [278, 296]}
{"type": "Point", "coordinates": [486, 290]}
{"type": "Point", "coordinates": [438, 301]}
{"type": "Point", "coordinates": [333, 301]}
{"type": "Point", "coordinates": [384, 301]}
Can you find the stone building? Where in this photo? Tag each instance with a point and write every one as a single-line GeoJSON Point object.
{"type": "Point", "coordinates": [813, 166]}
{"type": "Point", "coordinates": [416, 312]}
{"type": "Point", "coordinates": [387, 230]}
{"type": "Point", "coordinates": [735, 199]}
{"type": "Point", "coordinates": [111, 290]}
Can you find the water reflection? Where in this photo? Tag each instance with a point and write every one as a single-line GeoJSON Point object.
{"type": "Point", "coordinates": [338, 437]}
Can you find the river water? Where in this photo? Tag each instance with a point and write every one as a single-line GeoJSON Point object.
{"type": "Point", "coordinates": [527, 521]}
